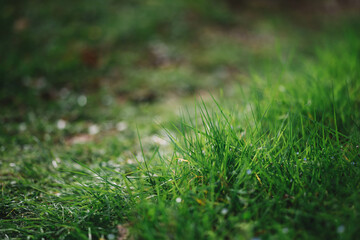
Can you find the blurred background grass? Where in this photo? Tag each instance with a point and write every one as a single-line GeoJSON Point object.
{"type": "Point", "coordinates": [106, 61]}
{"type": "Point", "coordinates": [144, 50]}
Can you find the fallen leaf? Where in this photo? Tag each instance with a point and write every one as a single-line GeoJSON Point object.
{"type": "Point", "coordinates": [123, 232]}
{"type": "Point", "coordinates": [90, 57]}
{"type": "Point", "coordinates": [21, 24]}
{"type": "Point", "coordinates": [79, 139]}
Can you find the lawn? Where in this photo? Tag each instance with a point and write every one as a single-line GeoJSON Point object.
{"type": "Point", "coordinates": [179, 120]}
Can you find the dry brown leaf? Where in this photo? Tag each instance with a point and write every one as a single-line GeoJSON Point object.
{"type": "Point", "coordinates": [21, 24]}
{"type": "Point", "coordinates": [123, 232]}
{"type": "Point", "coordinates": [79, 139]}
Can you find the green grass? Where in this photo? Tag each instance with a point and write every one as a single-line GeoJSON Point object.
{"type": "Point", "coordinates": [273, 154]}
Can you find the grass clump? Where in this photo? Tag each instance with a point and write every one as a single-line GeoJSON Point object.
{"type": "Point", "coordinates": [284, 164]}
{"type": "Point", "coordinates": [226, 182]}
